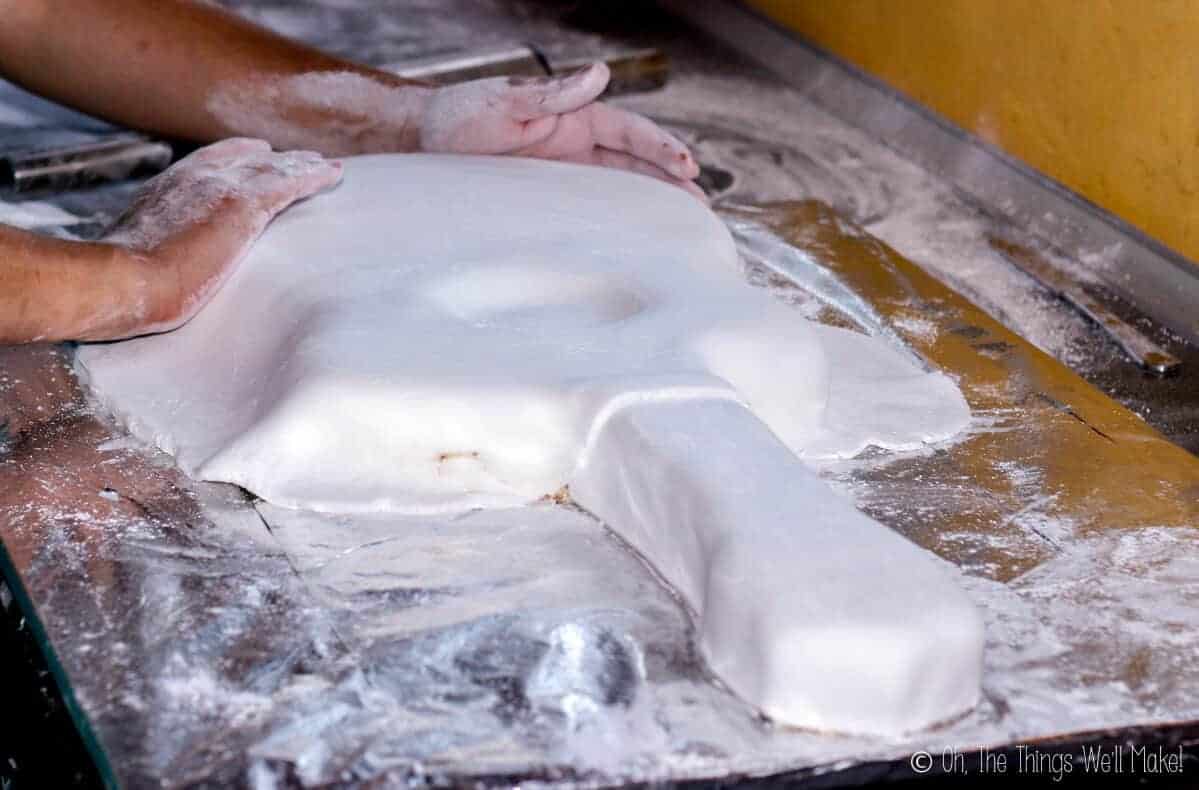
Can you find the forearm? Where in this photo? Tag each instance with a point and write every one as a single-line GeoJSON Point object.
{"type": "Point", "coordinates": [52, 290]}
{"type": "Point", "coordinates": [190, 70]}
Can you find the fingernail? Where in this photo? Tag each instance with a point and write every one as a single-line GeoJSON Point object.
{"type": "Point", "coordinates": [579, 73]}
{"type": "Point", "coordinates": [520, 82]}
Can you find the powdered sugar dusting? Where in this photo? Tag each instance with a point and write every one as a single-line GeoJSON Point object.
{"type": "Point", "coordinates": [337, 113]}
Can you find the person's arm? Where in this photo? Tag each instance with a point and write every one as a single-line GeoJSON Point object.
{"type": "Point", "coordinates": [191, 70]}
{"type": "Point", "coordinates": [167, 66]}
{"type": "Point", "coordinates": [52, 289]}
{"type": "Point", "coordinates": [164, 259]}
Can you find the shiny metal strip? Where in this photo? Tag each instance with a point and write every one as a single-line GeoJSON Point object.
{"type": "Point", "coordinates": [633, 70]}
{"type": "Point", "coordinates": [1132, 341]}
{"type": "Point", "coordinates": [59, 169]}
{"type": "Point", "coordinates": [443, 69]}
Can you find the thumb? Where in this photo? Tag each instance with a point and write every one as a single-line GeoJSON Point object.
{"type": "Point", "coordinates": [529, 99]}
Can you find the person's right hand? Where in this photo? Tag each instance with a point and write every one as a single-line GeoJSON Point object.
{"type": "Point", "coordinates": [552, 118]}
{"type": "Point", "coordinates": [189, 226]}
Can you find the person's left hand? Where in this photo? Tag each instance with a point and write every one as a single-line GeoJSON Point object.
{"type": "Point", "coordinates": [553, 118]}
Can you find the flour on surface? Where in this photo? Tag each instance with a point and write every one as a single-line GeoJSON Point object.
{"type": "Point", "coordinates": [35, 214]}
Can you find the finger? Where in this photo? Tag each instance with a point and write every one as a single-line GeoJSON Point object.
{"type": "Point", "coordinates": [311, 175]}
{"type": "Point", "coordinates": [232, 148]}
{"type": "Point", "coordinates": [622, 161]}
{"type": "Point", "coordinates": [557, 136]}
{"type": "Point", "coordinates": [247, 144]}
{"type": "Point", "coordinates": [277, 180]}
{"type": "Point", "coordinates": [539, 134]}
{"type": "Point", "coordinates": [327, 177]}
{"type": "Point", "coordinates": [621, 130]}
{"type": "Point", "coordinates": [296, 162]}
{"type": "Point", "coordinates": [537, 97]}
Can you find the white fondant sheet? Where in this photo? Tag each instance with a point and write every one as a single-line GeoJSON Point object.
{"type": "Point", "coordinates": [442, 333]}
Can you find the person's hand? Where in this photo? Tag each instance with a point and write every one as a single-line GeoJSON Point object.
{"type": "Point", "coordinates": [190, 225]}
{"type": "Point", "coordinates": [552, 118]}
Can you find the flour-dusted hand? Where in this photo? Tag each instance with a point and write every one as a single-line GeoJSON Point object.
{"type": "Point", "coordinates": [193, 223]}
{"type": "Point", "coordinates": [165, 257]}
{"type": "Point", "coordinates": [553, 118]}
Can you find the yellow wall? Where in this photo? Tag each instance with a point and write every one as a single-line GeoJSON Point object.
{"type": "Point", "coordinates": [1102, 95]}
